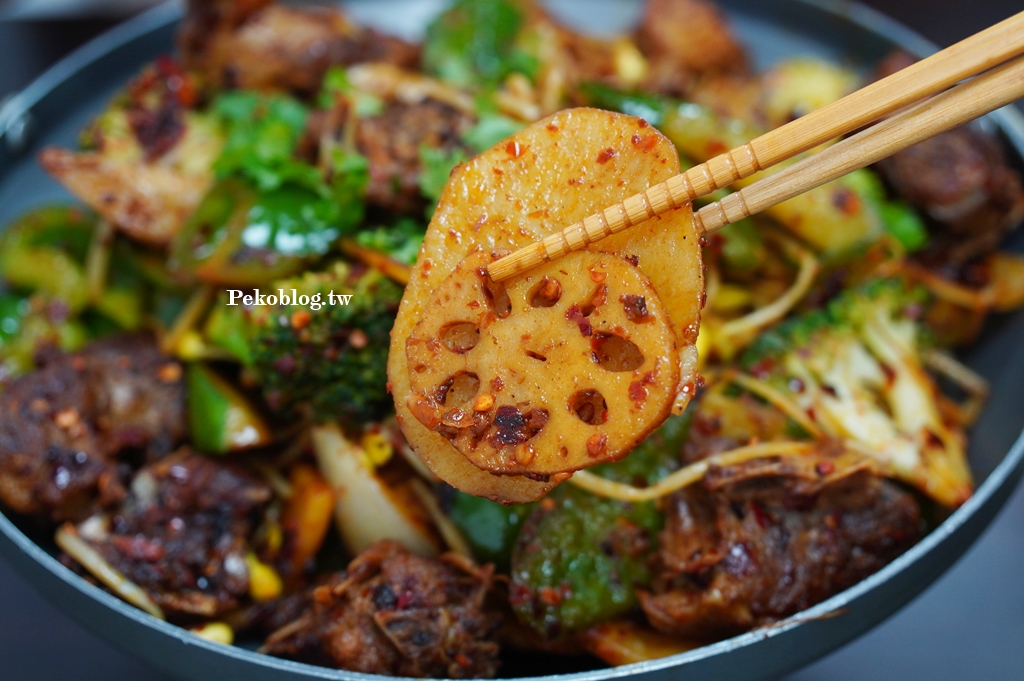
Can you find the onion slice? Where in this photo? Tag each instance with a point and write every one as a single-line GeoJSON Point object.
{"type": "Point", "coordinates": [89, 558]}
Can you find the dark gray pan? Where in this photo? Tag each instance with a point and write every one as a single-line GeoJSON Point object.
{"type": "Point", "coordinates": [53, 108]}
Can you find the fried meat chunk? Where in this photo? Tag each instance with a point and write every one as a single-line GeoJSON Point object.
{"type": "Point", "coordinates": [963, 185]}
{"type": "Point", "coordinates": [391, 142]}
{"type": "Point", "coordinates": [63, 427]}
{"type": "Point", "coordinates": [184, 532]}
{"type": "Point", "coordinates": [684, 40]}
{"type": "Point", "coordinates": [743, 550]}
{"type": "Point", "coordinates": [395, 613]}
{"type": "Point", "coordinates": [256, 45]}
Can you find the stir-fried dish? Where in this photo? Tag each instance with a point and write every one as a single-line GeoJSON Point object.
{"type": "Point", "coordinates": [258, 383]}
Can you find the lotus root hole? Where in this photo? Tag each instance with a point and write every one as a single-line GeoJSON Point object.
{"type": "Point", "coordinates": [460, 337]}
{"type": "Point", "coordinates": [545, 293]}
{"type": "Point", "coordinates": [589, 407]}
{"type": "Point", "coordinates": [461, 388]}
{"type": "Point", "coordinates": [615, 353]}
{"type": "Point", "coordinates": [598, 298]}
{"type": "Point", "coordinates": [497, 297]}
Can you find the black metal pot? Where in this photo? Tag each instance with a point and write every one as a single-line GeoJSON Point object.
{"type": "Point", "coordinates": [56, 106]}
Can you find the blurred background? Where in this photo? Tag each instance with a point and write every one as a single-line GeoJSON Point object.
{"type": "Point", "coordinates": [970, 624]}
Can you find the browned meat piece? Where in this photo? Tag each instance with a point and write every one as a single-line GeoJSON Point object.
{"type": "Point", "coordinates": [63, 426]}
{"type": "Point", "coordinates": [184, 532]}
{"type": "Point", "coordinates": [391, 142]}
{"type": "Point", "coordinates": [398, 614]}
{"type": "Point", "coordinates": [686, 39]}
{"type": "Point", "coordinates": [744, 550]}
{"type": "Point", "coordinates": [961, 182]}
{"type": "Point", "coordinates": [242, 44]}
{"type": "Point", "coordinates": [206, 17]}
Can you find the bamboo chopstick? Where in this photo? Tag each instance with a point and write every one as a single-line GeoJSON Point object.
{"type": "Point", "coordinates": [967, 58]}
{"type": "Point", "coordinates": [977, 97]}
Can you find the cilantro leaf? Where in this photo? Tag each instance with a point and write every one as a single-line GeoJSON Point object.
{"type": "Point", "coordinates": [438, 164]}
{"type": "Point", "coordinates": [262, 133]}
{"type": "Point", "coordinates": [401, 241]}
{"type": "Point", "coordinates": [491, 129]}
{"type": "Point", "coordinates": [472, 44]}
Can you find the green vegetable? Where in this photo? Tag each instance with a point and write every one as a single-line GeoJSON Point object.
{"type": "Point", "coordinates": [401, 241]}
{"type": "Point", "coordinates": [491, 129]}
{"type": "Point", "coordinates": [743, 249]}
{"type": "Point", "coordinates": [227, 327]}
{"type": "Point", "coordinates": [350, 176]}
{"type": "Point", "coordinates": [292, 222]}
{"type": "Point", "coordinates": [858, 366]}
{"type": "Point", "coordinates": [577, 564]}
{"type": "Point", "coordinates": [579, 556]}
{"type": "Point", "coordinates": [473, 43]}
{"type": "Point", "coordinates": [842, 322]}
{"type": "Point", "coordinates": [26, 325]}
{"type": "Point", "coordinates": [221, 419]}
{"type": "Point", "coordinates": [126, 293]}
{"type": "Point", "coordinates": [262, 134]}
{"type": "Point", "coordinates": [490, 528]}
{"type": "Point", "coordinates": [237, 236]}
{"type": "Point", "coordinates": [333, 358]}
{"type": "Point", "coordinates": [905, 224]}
{"type": "Point", "coordinates": [12, 311]}
{"type": "Point", "coordinates": [336, 83]}
{"type": "Point", "coordinates": [45, 250]}
{"type": "Point", "coordinates": [297, 209]}
{"type": "Point", "coordinates": [654, 109]}
{"type": "Point", "coordinates": [438, 165]}
{"type": "Point", "coordinates": [898, 217]}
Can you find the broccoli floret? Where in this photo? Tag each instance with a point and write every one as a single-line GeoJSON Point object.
{"type": "Point", "coordinates": [880, 299]}
{"type": "Point", "coordinates": [332, 359]}
{"type": "Point", "coordinates": [856, 368]}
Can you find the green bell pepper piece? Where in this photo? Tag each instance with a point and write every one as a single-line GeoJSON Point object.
{"type": "Point", "coordinates": [44, 251]}
{"type": "Point", "coordinates": [220, 418]}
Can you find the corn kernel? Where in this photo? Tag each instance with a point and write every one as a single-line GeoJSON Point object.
{"type": "Point", "coordinates": [731, 298]}
{"type": "Point", "coordinates": [274, 538]}
{"type": "Point", "coordinates": [191, 346]}
{"type": "Point", "coordinates": [704, 344]}
{"type": "Point", "coordinates": [264, 582]}
{"type": "Point", "coordinates": [378, 449]}
{"type": "Point", "coordinates": [218, 632]}
{"type": "Point", "coordinates": [630, 65]}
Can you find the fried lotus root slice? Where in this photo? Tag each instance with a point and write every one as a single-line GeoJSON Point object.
{"type": "Point", "coordinates": [552, 173]}
{"type": "Point", "coordinates": [568, 367]}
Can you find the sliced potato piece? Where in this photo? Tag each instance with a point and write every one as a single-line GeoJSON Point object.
{"type": "Point", "coordinates": [547, 176]}
{"type": "Point", "coordinates": [565, 368]}
{"type": "Point", "coordinates": [148, 203]}
{"type": "Point", "coordinates": [148, 200]}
